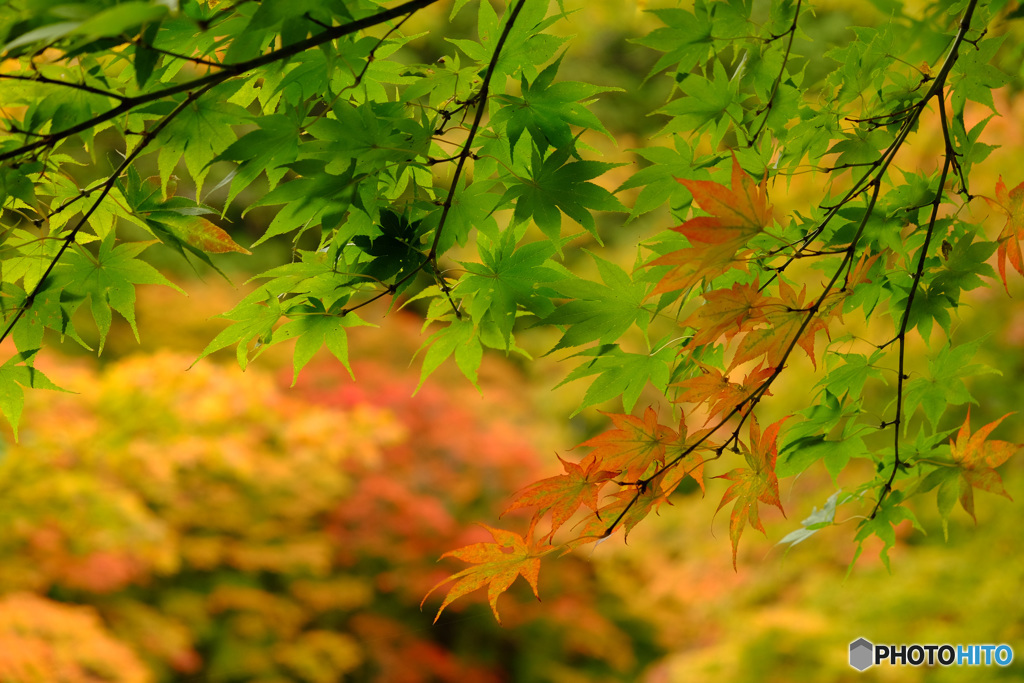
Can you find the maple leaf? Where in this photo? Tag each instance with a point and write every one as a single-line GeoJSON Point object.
{"type": "Point", "coordinates": [784, 316]}
{"type": "Point", "coordinates": [737, 214]}
{"type": "Point", "coordinates": [754, 483]}
{"type": "Point", "coordinates": [498, 565]}
{"type": "Point", "coordinates": [832, 305]}
{"type": "Point", "coordinates": [197, 232]}
{"type": "Point", "coordinates": [721, 394]}
{"type": "Point", "coordinates": [628, 507]}
{"type": "Point", "coordinates": [1011, 202]}
{"type": "Point", "coordinates": [726, 313]}
{"type": "Point", "coordinates": [692, 463]}
{"type": "Point", "coordinates": [109, 279]}
{"type": "Point", "coordinates": [977, 460]}
{"type": "Point", "coordinates": [565, 493]}
{"type": "Point", "coordinates": [633, 445]}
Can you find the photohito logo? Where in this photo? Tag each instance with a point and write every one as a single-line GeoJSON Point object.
{"type": "Point", "coordinates": [864, 654]}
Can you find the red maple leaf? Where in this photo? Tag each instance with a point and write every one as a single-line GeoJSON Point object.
{"type": "Point", "coordinates": [565, 493]}
{"type": "Point", "coordinates": [498, 565]}
{"type": "Point", "coordinates": [1012, 203]}
{"type": "Point", "coordinates": [633, 445]}
{"type": "Point", "coordinates": [754, 483]}
{"type": "Point", "coordinates": [737, 213]}
{"type": "Point", "coordinates": [977, 460]}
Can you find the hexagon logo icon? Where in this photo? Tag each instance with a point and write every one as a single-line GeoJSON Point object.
{"type": "Point", "coordinates": [861, 654]}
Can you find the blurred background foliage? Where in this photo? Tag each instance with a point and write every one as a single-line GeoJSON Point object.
{"type": "Point", "coordinates": [173, 524]}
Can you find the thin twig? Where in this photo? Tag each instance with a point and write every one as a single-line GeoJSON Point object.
{"type": "Point", "coordinates": [466, 153]}
{"type": "Point", "coordinates": [767, 108]}
{"type": "Point", "coordinates": [69, 239]}
{"type": "Point", "coordinates": [877, 170]}
{"type": "Point", "coordinates": [229, 71]}
{"type": "Point", "coordinates": [39, 78]}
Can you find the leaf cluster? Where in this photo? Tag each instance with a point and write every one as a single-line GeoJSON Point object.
{"type": "Point", "coordinates": [463, 186]}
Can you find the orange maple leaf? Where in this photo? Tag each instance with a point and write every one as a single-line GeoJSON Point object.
{"type": "Point", "coordinates": [565, 493]}
{"type": "Point", "coordinates": [692, 463]}
{"type": "Point", "coordinates": [784, 316]}
{"type": "Point", "coordinates": [633, 503]}
{"type": "Point", "coordinates": [633, 445]}
{"type": "Point", "coordinates": [736, 214]}
{"type": "Point", "coordinates": [754, 483]}
{"type": "Point", "coordinates": [715, 389]}
{"type": "Point", "coordinates": [726, 313]}
{"type": "Point", "coordinates": [1011, 202]}
{"type": "Point", "coordinates": [628, 507]}
{"type": "Point", "coordinates": [498, 565]}
{"type": "Point", "coordinates": [977, 460]}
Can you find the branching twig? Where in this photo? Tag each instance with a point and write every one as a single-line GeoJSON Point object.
{"type": "Point", "coordinates": [39, 78]}
{"type": "Point", "coordinates": [481, 102]}
{"type": "Point", "coordinates": [767, 108]}
{"type": "Point", "coordinates": [871, 179]}
{"type": "Point", "coordinates": [108, 185]}
{"type": "Point", "coordinates": [229, 71]}
{"type": "Point", "coordinates": [194, 89]}
{"type": "Point", "coordinates": [175, 55]}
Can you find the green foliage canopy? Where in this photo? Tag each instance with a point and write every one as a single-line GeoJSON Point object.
{"type": "Point", "coordinates": [403, 180]}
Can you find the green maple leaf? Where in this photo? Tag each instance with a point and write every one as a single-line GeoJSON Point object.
{"type": "Point", "coordinates": [621, 374]}
{"type": "Point", "coordinates": [253, 321]}
{"type": "Point", "coordinates": [15, 374]}
{"type": "Point", "coordinates": [599, 312]}
{"type": "Point", "coordinates": [883, 525]}
{"type": "Point", "coordinates": [974, 77]}
{"type": "Point", "coordinates": [510, 277]}
{"type": "Point", "coordinates": [51, 308]}
{"type": "Point", "coordinates": [556, 187]}
{"type": "Point", "coordinates": [201, 131]}
{"type": "Point", "coordinates": [268, 149]}
{"type": "Point", "coordinates": [944, 385]}
{"type": "Point", "coordinates": [713, 102]}
{"type": "Point", "coordinates": [685, 39]}
{"type": "Point", "coordinates": [108, 280]}
{"type": "Point", "coordinates": [547, 109]}
{"type": "Point", "coordinates": [461, 338]}
{"type": "Point", "coordinates": [659, 181]}
{"type": "Point", "coordinates": [314, 327]}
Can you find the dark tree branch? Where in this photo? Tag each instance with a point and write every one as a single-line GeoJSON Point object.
{"type": "Point", "coordinates": [108, 185]}
{"type": "Point", "coordinates": [39, 78]}
{"type": "Point", "coordinates": [229, 71]}
{"type": "Point", "coordinates": [481, 102]}
{"type": "Point", "coordinates": [871, 179]}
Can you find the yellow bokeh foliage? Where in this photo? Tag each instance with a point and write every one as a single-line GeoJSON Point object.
{"type": "Point", "coordinates": [223, 526]}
